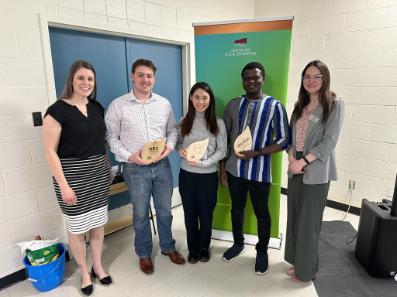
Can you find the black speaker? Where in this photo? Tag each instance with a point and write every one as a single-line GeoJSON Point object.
{"type": "Point", "coordinates": [376, 246]}
{"type": "Point", "coordinates": [393, 211]}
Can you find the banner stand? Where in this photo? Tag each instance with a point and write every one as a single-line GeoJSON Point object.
{"type": "Point", "coordinates": [221, 51]}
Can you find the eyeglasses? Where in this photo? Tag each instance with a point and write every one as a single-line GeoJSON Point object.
{"type": "Point", "coordinates": [315, 77]}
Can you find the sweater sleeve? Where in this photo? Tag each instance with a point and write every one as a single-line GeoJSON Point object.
{"type": "Point", "coordinates": [221, 147]}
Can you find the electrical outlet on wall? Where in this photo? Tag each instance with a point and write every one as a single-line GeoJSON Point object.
{"type": "Point", "coordinates": [37, 118]}
{"type": "Point", "coordinates": [352, 184]}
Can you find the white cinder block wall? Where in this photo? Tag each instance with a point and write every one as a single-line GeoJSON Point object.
{"type": "Point", "coordinates": [357, 39]}
{"type": "Point", "coordinates": [27, 200]}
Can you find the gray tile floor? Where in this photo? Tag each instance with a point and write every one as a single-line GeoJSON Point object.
{"type": "Point", "coordinates": [215, 278]}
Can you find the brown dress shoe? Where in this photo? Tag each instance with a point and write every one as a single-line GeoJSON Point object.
{"type": "Point", "coordinates": [175, 257]}
{"type": "Point", "coordinates": [146, 265]}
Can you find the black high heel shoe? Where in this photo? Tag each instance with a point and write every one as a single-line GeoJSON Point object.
{"type": "Point", "coordinates": [107, 280]}
{"type": "Point", "coordinates": [87, 290]}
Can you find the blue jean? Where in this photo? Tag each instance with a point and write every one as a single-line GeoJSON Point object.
{"type": "Point", "coordinates": [144, 182]}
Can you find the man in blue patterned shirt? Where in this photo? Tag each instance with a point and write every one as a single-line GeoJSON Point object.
{"type": "Point", "coordinates": [250, 170]}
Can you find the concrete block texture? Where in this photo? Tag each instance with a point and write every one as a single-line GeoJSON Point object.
{"type": "Point", "coordinates": [75, 4]}
{"type": "Point", "coordinates": [95, 6]}
{"type": "Point", "coordinates": [368, 149]}
{"type": "Point", "coordinates": [29, 205]}
{"type": "Point", "coordinates": [39, 223]}
{"type": "Point", "coordinates": [369, 19]}
{"type": "Point", "coordinates": [117, 8]}
{"type": "Point", "coordinates": [14, 155]}
{"type": "Point", "coordinates": [351, 163]}
{"type": "Point", "coordinates": [28, 178]}
{"type": "Point", "coordinates": [391, 16]}
{"type": "Point", "coordinates": [356, 38]}
{"type": "Point", "coordinates": [168, 17]}
{"type": "Point", "coordinates": [381, 168]}
{"type": "Point", "coordinates": [46, 198]}
{"type": "Point", "coordinates": [392, 154]}
{"type": "Point", "coordinates": [153, 14]}
{"type": "Point", "coordinates": [18, 206]}
{"type": "Point", "coordinates": [380, 3]}
{"type": "Point", "coordinates": [354, 130]}
{"type": "Point", "coordinates": [2, 187]}
{"type": "Point", "coordinates": [10, 259]}
{"type": "Point", "coordinates": [9, 48]}
{"type": "Point", "coordinates": [136, 10]}
{"type": "Point", "coordinates": [380, 38]}
{"type": "Point", "coordinates": [373, 114]}
{"type": "Point", "coordinates": [388, 57]}
{"type": "Point", "coordinates": [341, 6]}
{"type": "Point", "coordinates": [383, 133]}
{"type": "Point", "coordinates": [6, 232]}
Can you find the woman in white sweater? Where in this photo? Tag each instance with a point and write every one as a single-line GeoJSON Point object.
{"type": "Point", "coordinates": [198, 180]}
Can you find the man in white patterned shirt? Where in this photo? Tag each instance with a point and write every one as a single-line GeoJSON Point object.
{"type": "Point", "coordinates": [132, 120]}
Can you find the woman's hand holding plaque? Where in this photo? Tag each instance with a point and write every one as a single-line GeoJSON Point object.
{"type": "Point", "coordinates": [196, 150]}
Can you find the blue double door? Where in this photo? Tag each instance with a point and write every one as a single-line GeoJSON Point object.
{"type": "Point", "coordinates": [112, 58]}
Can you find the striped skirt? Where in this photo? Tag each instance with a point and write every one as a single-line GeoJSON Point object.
{"type": "Point", "coordinates": [89, 179]}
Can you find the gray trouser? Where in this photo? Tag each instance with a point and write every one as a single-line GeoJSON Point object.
{"type": "Point", "coordinates": [306, 205]}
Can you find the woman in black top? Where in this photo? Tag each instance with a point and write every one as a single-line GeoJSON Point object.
{"type": "Point", "coordinates": [74, 142]}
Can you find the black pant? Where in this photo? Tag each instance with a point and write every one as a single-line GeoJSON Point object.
{"type": "Point", "coordinates": [198, 192]}
{"type": "Point", "coordinates": [259, 193]}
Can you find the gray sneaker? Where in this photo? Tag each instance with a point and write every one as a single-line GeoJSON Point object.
{"type": "Point", "coordinates": [261, 263]}
{"type": "Point", "coordinates": [232, 252]}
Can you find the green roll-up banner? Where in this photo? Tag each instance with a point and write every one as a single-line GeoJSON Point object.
{"type": "Point", "coordinates": [222, 49]}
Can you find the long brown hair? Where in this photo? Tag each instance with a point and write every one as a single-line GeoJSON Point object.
{"type": "Point", "coordinates": [210, 118]}
{"type": "Point", "coordinates": [68, 89]}
{"type": "Point", "coordinates": [326, 97]}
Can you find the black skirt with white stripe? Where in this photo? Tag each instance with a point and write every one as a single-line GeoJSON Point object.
{"type": "Point", "coordinates": [89, 179]}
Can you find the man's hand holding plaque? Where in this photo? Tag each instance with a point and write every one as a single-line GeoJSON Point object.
{"type": "Point", "coordinates": [152, 151]}
{"type": "Point", "coordinates": [243, 143]}
{"type": "Point", "coordinates": [196, 150]}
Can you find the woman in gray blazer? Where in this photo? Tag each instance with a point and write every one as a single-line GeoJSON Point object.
{"type": "Point", "coordinates": [315, 123]}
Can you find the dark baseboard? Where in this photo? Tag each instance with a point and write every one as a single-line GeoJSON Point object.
{"type": "Point", "coordinates": [334, 204]}
{"type": "Point", "coordinates": [19, 276]}
{"type": "Point", "coordinates": [344, 207]}
{"type": "Point", "coordinates": [12, 278]}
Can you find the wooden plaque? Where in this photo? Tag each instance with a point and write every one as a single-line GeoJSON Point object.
{"type": "Point", "coordinates": [152, 150]}
{"type": "Point", "coordinates": [243, 142]}
{"type": "Point", "coordinates": [196, 150]}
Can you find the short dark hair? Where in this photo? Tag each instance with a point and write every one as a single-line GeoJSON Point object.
{"type": "Point", "coordinates": [143, 62]}
{"type": "Point", "coordinates": [68, 88]}
{"type": "Point", "coordinates": [254, 65]}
